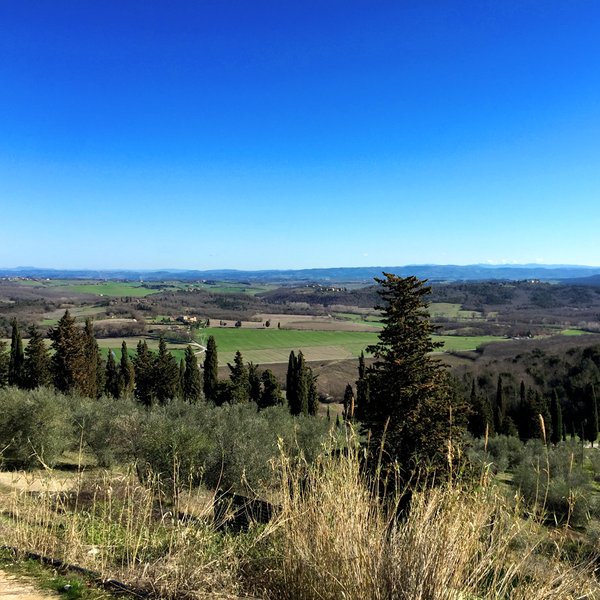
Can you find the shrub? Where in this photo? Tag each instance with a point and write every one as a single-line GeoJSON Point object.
{"type": "Point", "coordinates": [35, 427]}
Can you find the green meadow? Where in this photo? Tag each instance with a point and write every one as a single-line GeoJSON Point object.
{"type": "Point", "coordinates": [112, 288]}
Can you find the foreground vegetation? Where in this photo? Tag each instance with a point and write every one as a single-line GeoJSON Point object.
{"type": "Point", "coordinates": [332, 536]}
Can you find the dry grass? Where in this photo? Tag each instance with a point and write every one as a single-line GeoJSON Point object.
{"type": "Point", "coordinates": [332, 538]}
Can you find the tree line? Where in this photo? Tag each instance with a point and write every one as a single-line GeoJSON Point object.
{"type": "Point", "coordinates": [75, 364]}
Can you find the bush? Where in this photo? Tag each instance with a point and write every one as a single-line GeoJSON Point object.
{"type": "Point", "coordinates": [36, 427]}
{"type": "Point", "coordinates": [555, 482]}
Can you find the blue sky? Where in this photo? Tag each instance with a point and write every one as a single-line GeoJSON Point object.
{"type": "Point", "coordinates": [298, 134]}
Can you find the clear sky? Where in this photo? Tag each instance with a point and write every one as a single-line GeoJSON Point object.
{"type": "Point", "coordinates": [297, 134]}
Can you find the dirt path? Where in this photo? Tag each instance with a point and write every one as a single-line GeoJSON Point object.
{"type": "Point", "coordinates": [13, 587]}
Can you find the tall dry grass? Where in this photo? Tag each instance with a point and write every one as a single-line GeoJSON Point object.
{"type": "Point", "coordinates": [332, 538]}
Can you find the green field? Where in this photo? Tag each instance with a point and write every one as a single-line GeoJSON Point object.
{"type": "Point", "coordinates": [271, 346]}
{"type": "Point", "coordinates": [112, 288]}
{"type": "Point", "coordinates": [574, 332]}
{"type": "Point", "coordinates": [451, 310]}
{"type": "Point", "coordinates": [230, 340]}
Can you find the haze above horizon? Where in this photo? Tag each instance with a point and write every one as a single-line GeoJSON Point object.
{"type": "Point", "coordinates": [269, 135]}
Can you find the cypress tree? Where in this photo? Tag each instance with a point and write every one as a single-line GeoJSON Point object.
{"type": "Point", "coordinates": [90, 351]}
{"type": "Point", "coordinates": [290, 386]}
{"type": "Point", "coordinates": [68, 361]}
{"type": "Point", "coordinates": [313, 393]}
{"type": "Point", "coordinates": [192, 384]}
{"type": "Point", "coordinates": [112, 386]}
{"type": "Point", "coordinates": [4, 359]}
{"type": "Point", "coordinates": [211, 370]}
{"type": "Point", "coordinates": [481, 417]}
{"type": "Point", "coordinates": [166, 373]}
{"type": "Point", "coordinates": [100, 372]}
{"type": "Point", "coordinates": [556, 415]}
{"type": "Point", "coordinates": [591, 428]}
{"type": "Point", "coordinates": [126, 372]}
{"type": "Point", "coordinates": [348, 400]}
{"type": "Point", "coordinates": [362, 389]}
{"type": "Point", "coordinates": [17, 357]}
{"type": "Point", "coordinates": [144, 374]}
{"type": "Point", "coordinates": [181, 379]}
{"type": "Point", "coordinates": [240, 384]}
{"type": "Point", "coordinates": [500, 408]}
{"type": "Point", "coordinates": [271, 395]}
{"type": "Point", "coordinates": [254, 383]}
{"type": "Point", "coordinates": [301, 384]}
{"type": "Point", "coordinates": [37, 361]}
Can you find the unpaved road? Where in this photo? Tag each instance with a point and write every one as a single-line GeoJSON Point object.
{"type": "Point", "coordinates": [20, 589]}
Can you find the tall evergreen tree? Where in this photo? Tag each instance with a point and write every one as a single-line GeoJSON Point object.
{"type": "Point", "coordinates": [556, 415]}
{"type": "Point", "coordinates": [181, 379]}
{"type": "Point", "coordinates": [500, 408]}
{"type": "Point", "coordinates": [16, 373]}
{"type": "Point", "coordinates": [144, 374]}
{"type": "Point", "coordinates": [100, 372]}
{"type": "Point", "coordinates": [301, 383]}
{"type": "Point", "coordinates": [407, 385]}
{"type": "Point", "coordinates": [271, 395]}
{"type": "Point", "coordinates": [211, 370]}
{"type": "Point", "coordinates": [126, 372]}
{"type": "Point", "coordinates": [37, 361]}
{"type": "Point", "coordinates": [4, 359]}
{"type": "Point", "coordinates": [166, 373]}
{"type": "Point", "coordinates": [348, 402]}
{"type": "Point", "coordinates": [362, 390]}
{"type": "Point", "coordinates": [192, 383]}
{"type": "Point", "coordinates": [591, 428]}
{"type": "Point", "coordinates": [290, 386]}
{"type": "Point", "coordinates": [313, 393]}
{"type": "Point", "coordinates": [254, 383]}
{"type": "Point", "coordinates": [481, 418]}
{"type": "Point", "coordinates": [90, 351]}
{"type": "Point", "coordinates": [239, 390]}
{"type": "Point", "coordinates": [68, 363]}
{"type": "Point", "coordinates": [112, 386]}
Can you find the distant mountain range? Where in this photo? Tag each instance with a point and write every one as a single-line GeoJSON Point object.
{"type": "Point", "coordinates": [568, 274]}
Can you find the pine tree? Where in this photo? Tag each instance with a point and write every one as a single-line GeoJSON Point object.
{"type": "Point", "coordinates": [192, 383]}
{"type": "Point", "coordinates": [144, 374]}
{"type": "Point", "coordinates": [211, 370]}
{"type": "Point", "coordinates": [271, 395]}
{"type": "Point", "coordinates": [16, 374]}
{"type": "Point", "coordinates": [254, 383]}
{"type": "Point", "coordinates": [126, 372]}
{"type": "Point", "coordinates": [407, 385]}
{"type": "Point", "coordinates": [112, 386]}
{"type": "Point", "coordinates": [68, 361]}
{"type": "Point", "coordinates": [556, 414]}
{"type": "Point", "coordinates": [240, 384]}
{"type": "Point", "coordinates": [166, 373]}
{"type": "Point", "coordinates": [37, 361]}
